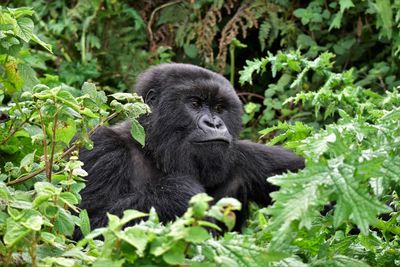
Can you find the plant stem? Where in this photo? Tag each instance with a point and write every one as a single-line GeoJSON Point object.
{"type": "Point", "coordinates": [149, 24]}
{"type": "Point", "coordinates": [32, 250]}
{"type": "Point", "coordinates": [12, 131]}
{"type": "Point", "coordinates": [66, 153]}
{"type": "Point", "coordinates": [251, 94]}
{"type": "Point", "coordinates": [46, 161]}
{"type": "Point", "coordinates": [232, 66]}
{"type": "Point", "coordinates": [53, 144]}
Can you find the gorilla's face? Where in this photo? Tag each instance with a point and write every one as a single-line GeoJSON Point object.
{"type": "Point", "coordinates": [195, 116]}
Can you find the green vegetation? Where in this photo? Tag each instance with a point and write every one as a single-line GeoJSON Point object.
{"type": "Point", "coordinates": [320, 78]}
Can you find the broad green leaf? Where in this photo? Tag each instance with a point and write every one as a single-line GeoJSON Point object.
{"type": "Point", "coordinates": [27, 161]}
{"type": "Point", "coordinates": [137, 237]}
{"type": "Point", "coordinates": [384, 8]}
{"type": "Point", "coordinates": [14, 232]}
{"type": "Point", "coordinates": [196, 234]}
{"type": "Point", "coordinates": [364, 213]}
{"type": "Point", "coordinates": [137, 132]}
{"type": "Point", "coordinates": [199, 204]}
{"type": "Point", "coordinates": [84, 222]}
{"type": "Point", "coordinates": [223, 211]}
{"type": "Point", "coordinates": [100, 262]}
{"type": "Point", "coordinates": [33, 222]}
{"type": "Point", "coordinates": [126, 96]}
{"type": "Point", "coordinates": [175, 255]}
{"type": "Point", "coordinates": [59, 261]}
{"type": "Point", "coordinates": [67, 98]}
{"type": "Point", "coordinates": [20, 11]}
{"type": "Point", "coordinates": [99, 97]}
{"type": "Point", "coordinates": [68, 198]}
{"type": "Point", "coordinates": [65, 131]}
{"type": "Point", "coordinates": [64, 223]}
{"type": "Point", "coordinates": [24, 28]}
{"type": "Point", "coordinates": [130, 215]}
{"type": "Point", "coordinates": [37, 40]}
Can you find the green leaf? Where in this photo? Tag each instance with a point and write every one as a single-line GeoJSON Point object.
{"type": "Point", "coordinates": [21, 11]}
{"type": "Point", "coordinates": [27, 161]}
{"type": "Point", "coordinates": [99, 97]}
{"type": "Point", "coordinates": [199, 204]}
{"type": "Point", "coordinates": [137, 237]}
{"type": "Point", "coordinates": [24, 28]}
{"type": "Point", "coordinates": [126, 96]}
{"type": "Point", "coordinates": [33, 222]}
{"type": "Point", "coordinates": [67, 98]}
{"type": "Point", "coordinates": [14, 232]}
{"type": "Point", "coordinates": [364, 213]}
{"type": "Point", "coordinates": [257, 65]}
{"type": "Point", "coordinates": [385, 13]}
{"type": "Point", "coordinates": [196, 234]}
{"type": "Point", "coordinates": [65, 131]}
{"type": "Point", "coordinates": [64, 223]}
{"type": "Point", "coordinates": [68, 198]}
{"type": "Point", "coordinates": [84, 222]}
{"type": "Point", "coordinates": [130, 215]}
{"type": "Point", "coordinates": [175, 255]}
{"type": "Point", "coordinates": [100, 262]}
{"type": "Point", "coordinates": [224, 209]}
{"type": "Point", "coordinates": [37, 40]}
{"type": "Point", "coordinates": [137, 132]}
{"type": "Point", "coordinates": [345, 4]}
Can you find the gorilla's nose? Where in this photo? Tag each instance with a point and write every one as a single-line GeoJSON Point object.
{"type": "Point", "coordinates": [207, 123]}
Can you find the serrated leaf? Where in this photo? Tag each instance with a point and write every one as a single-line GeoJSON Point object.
{"type": "Point", "coordinates": [84, 222]}
{"type": "Point", "coordinates": [137, 237]}
{"type": "Point", "coordinates": [137, 132]}
{"type": "Point", "coordinates": [33, 222]}
{"type": "Point", "coordinates": [24, 28]}
{"type": "Point", "coordinates": [27, 161]}
{"type": "Point", "coordinates": [367, 207]}
{"type": "Point", "coordinates": [196, 234]}
{"type": "Point", "coordinates": [256, 65]}
{"type": "Point", "coordinates": [384, 8]}
{"type": "Point", "coordinates": [64, 223]}
{"type": "Point", "coordinates": [99, 97]}
{"type": "Point", "coordinates": [175, 255]}
{"type": "Point", "coordinates": [130, 215]}
{"type": "Point", "coordinates": [43, 44]}
{"type": "Point", "coordinates": [14, 232]}
{"type": "Point", "coordinates": [100, 262]}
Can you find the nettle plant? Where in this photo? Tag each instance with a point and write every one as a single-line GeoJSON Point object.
{"type": "Point", "coordinates": [352, 166]}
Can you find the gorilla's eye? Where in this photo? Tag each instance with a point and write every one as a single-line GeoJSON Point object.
{"type": "Point", "coordinates": [219, 108]}
{"type": "Point", "coordinates": [195, 102]}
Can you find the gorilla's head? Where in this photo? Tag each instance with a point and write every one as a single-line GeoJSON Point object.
{"type": "Point", "coordinates": [196, 116]}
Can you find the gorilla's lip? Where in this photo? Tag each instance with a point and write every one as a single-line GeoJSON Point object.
{"type": "Point", "coordinates": [213, 140]}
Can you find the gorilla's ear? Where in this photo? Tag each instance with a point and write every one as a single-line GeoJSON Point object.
{"type": "Point", "coordinates": [150, 97]}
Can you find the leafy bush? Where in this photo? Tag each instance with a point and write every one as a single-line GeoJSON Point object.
{"type": "Point", "coordinates": [352, 166]}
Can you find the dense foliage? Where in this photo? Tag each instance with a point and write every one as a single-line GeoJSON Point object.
{"type": "Point", "coordinates": [319, 77]}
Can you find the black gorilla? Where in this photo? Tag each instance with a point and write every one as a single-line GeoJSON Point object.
{"type": "Point", "coordinates": [191, 147]}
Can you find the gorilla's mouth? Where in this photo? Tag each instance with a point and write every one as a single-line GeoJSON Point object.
{"type": "Point", "coordinates": [213, 141]}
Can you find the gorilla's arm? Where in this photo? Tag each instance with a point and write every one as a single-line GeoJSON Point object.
{"type": "Point", "coordinates": [170, 198]}
{"type": "Point", "coordinates": [257, 162]}
{"type": "Point", "coordinates": [121, 177]}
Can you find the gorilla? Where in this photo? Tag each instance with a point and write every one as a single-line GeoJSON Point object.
{"type": "Point", "coordinates": [192, 146]}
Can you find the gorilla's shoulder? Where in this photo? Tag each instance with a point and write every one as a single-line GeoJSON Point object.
{"type": "Point", "coordinates": [115, 134]}
{"type": "Point", "coordinates": [108, 143]}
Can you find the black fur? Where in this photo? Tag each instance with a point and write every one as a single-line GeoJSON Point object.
{"type": "Point", "coordinates": [189, 149]}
